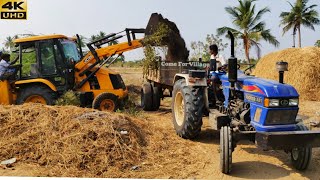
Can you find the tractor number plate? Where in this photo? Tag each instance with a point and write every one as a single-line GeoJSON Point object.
{"type": "Point", "coordinates": [253, 98]}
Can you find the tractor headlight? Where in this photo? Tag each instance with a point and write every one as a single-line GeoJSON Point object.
{"type": "Point", "coordinates": [293, 102]}
{"type": "Point", "coordinates": [271, 102]}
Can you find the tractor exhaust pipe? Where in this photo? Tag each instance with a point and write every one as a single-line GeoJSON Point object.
{"type": "Point", "coordinates": [281, 67]}
{"type": "Point", "coordinates": [232, 67]}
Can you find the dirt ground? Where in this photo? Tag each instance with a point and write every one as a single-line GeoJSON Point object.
{"type": "Point", "coordinates": [169, 156]}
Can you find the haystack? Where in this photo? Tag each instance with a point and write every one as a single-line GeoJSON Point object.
{"type": "Point", "coordinates": [71, 141]}
{"type": "Point", "coordinates": [304, 70]}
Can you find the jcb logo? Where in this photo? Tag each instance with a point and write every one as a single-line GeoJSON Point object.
{"type": "Point", "coordinates": [13, 9]}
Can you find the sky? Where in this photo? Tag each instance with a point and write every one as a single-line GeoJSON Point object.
{"type": "Point", "coordinates": [194, 18]}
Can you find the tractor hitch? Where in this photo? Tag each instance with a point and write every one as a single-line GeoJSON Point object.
{"type": "Point", "coordinates": [287, 140]}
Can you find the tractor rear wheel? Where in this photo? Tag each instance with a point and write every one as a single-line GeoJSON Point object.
{"type": "Point", "coordinates": [225, 149]}
{"type": "Point", "coordinates": [105, 102]}
{"type": "Point", "coordinates": [187, 106]}
{"type": "Point", "coordinates": [147, 97]}
{"type": "Point", "coordinates": [36, 94]}
{"type": "Point", "coordinates": [300, 157]}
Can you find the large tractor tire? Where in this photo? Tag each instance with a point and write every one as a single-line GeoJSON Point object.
{"type": "Point", "coordinates": [225, 149]}
{"type": "Point", "coordinates": [106, 102]}
{"type": "Point", "coordinates": [156, 97]}
{"type": "Point", "coordinates": [36, 94]}
{"type": "Point", "coordinates": [300, 157]}
{"type": "Point", "coordinates": [187, 106]}
{"type": "Point", "coordinates": [147, 97]}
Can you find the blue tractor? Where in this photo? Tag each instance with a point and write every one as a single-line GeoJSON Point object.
{"type": "Point", "coordinates": [242, 107]}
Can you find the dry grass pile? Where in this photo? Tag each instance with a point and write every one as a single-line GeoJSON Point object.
{"type": "Point", "coordinates": [304, 70]}
{"type": "Point", "coordinates": [71, 141]}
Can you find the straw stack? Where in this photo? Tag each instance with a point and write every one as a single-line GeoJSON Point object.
{"type": "Point", "coordinates": [71, 141]}
{"type": "Point", "coordinates": [304, 70]}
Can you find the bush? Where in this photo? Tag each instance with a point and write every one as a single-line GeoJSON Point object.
{"type": "Point", "coordinates": [69, 98]}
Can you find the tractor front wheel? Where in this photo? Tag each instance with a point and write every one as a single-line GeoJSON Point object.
{"type": "Point", "coordinates": [300, 157]}
{"type": "Point", "coordinates": [105, 102]}
{"type": "Point", "coordinates": [225, 149]}
{"type": "Point", "coordinates": [187, 106]}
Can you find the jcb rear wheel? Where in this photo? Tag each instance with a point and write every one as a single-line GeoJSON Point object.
{"type": "Point", "coordinates": [300, 157]}
{"type": "Point", "coordinates": [105, 102]}
{"type": "Point", "coordinates": [36, 94]}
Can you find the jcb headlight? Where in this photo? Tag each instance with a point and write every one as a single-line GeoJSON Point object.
{"type": "Point", "coordinates": [271, 102]}
{"type": "Point", "coordinates": [293, 102]}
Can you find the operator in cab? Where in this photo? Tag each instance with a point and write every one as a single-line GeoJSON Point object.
{"type": "Point", "coordinates": [8, 69]}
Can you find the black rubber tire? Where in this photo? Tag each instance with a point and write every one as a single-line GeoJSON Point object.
{"type": "Point", "coordinates": [156, 98]}
{"type": "Point", "coordinates": [190, 127]}
{"type": "Point", "coordinates": [105, 96]}
{"type": "Point", "coordinates": [147, 97]}
{"type": "Point", "coordinates": [43, 91]}
{"type": "Point", "coordinates": [304, 154]}
{"type": "Point", "coordinates": [225, 149]}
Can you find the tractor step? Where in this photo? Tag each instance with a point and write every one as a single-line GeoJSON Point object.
{"type": "Point", "coordinates": [287, 140]}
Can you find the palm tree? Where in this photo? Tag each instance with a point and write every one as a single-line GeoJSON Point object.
{"type": "Point", "coordinates": [8, 44]}
{"type": "Point", "coordinates": [249, 28]}
{"type": "Point", "coordinates": [300, 14]}
{"type": "Point", "coordinates": [101, 35]}
{"type": "Point", "coordinates": [93, 38]}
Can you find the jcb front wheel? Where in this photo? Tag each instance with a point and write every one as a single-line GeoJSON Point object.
{"type": "Point", "coordinates": [105, 102]}
{"type": "Point", "coordinates": [36, 94]}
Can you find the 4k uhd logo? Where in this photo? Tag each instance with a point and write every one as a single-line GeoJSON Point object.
{"type": "Point", "coordinates": [13, 9]}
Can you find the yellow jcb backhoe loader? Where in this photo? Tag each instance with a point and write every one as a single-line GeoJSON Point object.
{"type": "Point", "coordinates": [52, 64]}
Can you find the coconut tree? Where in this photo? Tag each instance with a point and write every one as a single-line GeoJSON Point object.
{"type": "Point", "coordinates": [8, 43]}
{"type": "Point", "coordinates": [248, 26]}
{"type": "Point", "coordinates": [300, 14]}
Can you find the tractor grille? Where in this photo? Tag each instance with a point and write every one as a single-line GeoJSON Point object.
{"type": "Point", "coordinates": [117, 82]}
{"type": "Point", "coordinates": [281, 117]}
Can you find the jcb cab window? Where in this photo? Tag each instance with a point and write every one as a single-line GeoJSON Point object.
{"type": "Point", "coordinates": [48, 64]}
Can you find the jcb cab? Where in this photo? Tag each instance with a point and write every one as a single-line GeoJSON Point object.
{"type": "Point", "coordinates": [52, 65]}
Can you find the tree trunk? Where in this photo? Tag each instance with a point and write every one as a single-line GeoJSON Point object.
{"type": "Point", "coordinates": [299, 33]}
{"type": "Point", "coordinates": [247, 49]}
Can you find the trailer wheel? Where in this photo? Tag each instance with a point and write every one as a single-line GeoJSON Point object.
{"type": "Point", "coordinates": [300, 157]}
{"type": "Point", "coordinates": [146, 97]}
{"type": "Point", "coordinates": [156, 98]}
{"type": "Point", "coordinates": [187, 106]}
{"type": "Point", "coordinates": [36, 94]}
{"type": "Point", "coordinates": [225, 149]}
{"type": "Point", "coordinates": [105, 102]}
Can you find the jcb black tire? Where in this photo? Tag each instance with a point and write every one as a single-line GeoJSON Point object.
{"type": "Point", "coordinates": [187, 106]}
{"type": "Point", "coordinates": [301, 157]}
{"type": "Point", "coordinates": [156, 98]}
{"type": "Point", "coordinates": [225, 149]}
{"type": "Point", "coordinates": [106, 102]}
{"type": "Point", "coordinates": [146, 97]}
{"type": "Point", "coordinates": [30, 94]}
